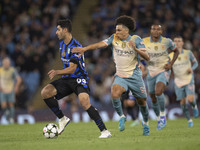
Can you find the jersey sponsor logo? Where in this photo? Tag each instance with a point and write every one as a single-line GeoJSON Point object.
{"type": "Point", "coordinates": [157, 54]}
{"type": "Point", "coordinates": [66, 61]}
{"type": "Point", "coordinates": [121, 52]}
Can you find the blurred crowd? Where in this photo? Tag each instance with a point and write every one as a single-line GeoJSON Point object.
{"type": "Point", "coordinates": [27, 36]}
{"type": "Point", "coordinates": [180, 17]}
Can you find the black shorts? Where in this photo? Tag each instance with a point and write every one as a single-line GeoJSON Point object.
{"type": "Point", "coordinates": [66, 86]}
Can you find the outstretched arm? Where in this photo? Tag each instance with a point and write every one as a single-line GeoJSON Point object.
{"type": "Point", "coordinates": [81, 50]}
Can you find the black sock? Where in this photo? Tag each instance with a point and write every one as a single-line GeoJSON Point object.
{"type": "Point", "coordinates": [53, 105]}
{"type": "Point", "coordinates": [94, 115]}
{"type": "Point", "coordinates": [130, 112]}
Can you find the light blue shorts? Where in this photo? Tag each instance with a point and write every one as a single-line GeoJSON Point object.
{"type": "Point", "coordinates": [10, 97]}
{"type": "Point", "coordinates": [161, 77]}
{"type": "Point", "coordinates": [134, 83]}
{"type": "Point", "coordinates": [182, 92]}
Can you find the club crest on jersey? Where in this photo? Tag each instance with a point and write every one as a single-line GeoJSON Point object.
{"type": "Point", "coordinates": [179, 58]}
{"type": "Point", "coordinates": [123, 44]}
{"type": "Point", "coordinates": [156, 48]}
{"type": "Point", "coordinates": [63, 54]}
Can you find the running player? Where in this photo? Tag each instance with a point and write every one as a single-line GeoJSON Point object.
{"type": "Point", "coordinates": [183, 69]}
{"type": "Point", "coordinates": [158, 48]}
{"type": "Point", "coordinates": [74, 80]}
{"type": "Point", "coordinates": [127, 51]}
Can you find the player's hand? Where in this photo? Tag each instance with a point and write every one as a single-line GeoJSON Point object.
{"type": "Point", "coordinates": [168, 66]}
{"type": "Point", "coordinates": [189, 70]}
{"type": "Point", "coordinates": [132, 44]}
{"type": "Point", "coordinates": [52, 74]}
{"type": "Point", "coordinates": [79, 50]}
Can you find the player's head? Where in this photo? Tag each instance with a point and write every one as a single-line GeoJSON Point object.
{"type": "Point", "coordinates": [6, 63]}
{"type": "Point", "coordinates": [156, 30]}
{"type": "Point", "coordinates": [124, 24]}
{"type": "Point", "coordinates": [178, 40]}
{"type": "Point", "coordinates": [64, 27]}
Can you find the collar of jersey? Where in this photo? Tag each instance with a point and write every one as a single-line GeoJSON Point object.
{"type": "Point", "coordinates": [128, 39]}
{"type": "Point", "coordinates": [158, 40]}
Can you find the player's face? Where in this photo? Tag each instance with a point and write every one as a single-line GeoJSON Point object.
{"type": "Point", "coordinates": [6, 63]}
{"type": "Point", "coordinates": [179, 42]}
{"type": "Point", "coordinates": [122, 32]}
{"type": "Point", "coordinates": [156, 31]}
{"type": "Point", "coordinates": [60, 33]}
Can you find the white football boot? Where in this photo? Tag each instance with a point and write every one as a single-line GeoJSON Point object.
{"type": "Point", "coordinates": [63, 122]}
{"type": "Point", "coordinates": [105, 134]}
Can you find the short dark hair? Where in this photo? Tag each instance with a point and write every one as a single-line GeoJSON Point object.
{"type": "Point", "coordinates": [127, 21]}
{"type": "Point", "coordinates": [177, 36]}
{"type": "Point", "coordinates": [66, 23]}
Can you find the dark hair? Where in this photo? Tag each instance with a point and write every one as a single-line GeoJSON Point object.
{"type": "Point", "coordinates": [127, 21]}
{"type": "Point", "coordinates": [66, 23]}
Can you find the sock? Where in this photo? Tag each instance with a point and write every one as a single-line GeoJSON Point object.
{"type": "Point", "coordinates": [94, 115]}
{"type": "Point", "coordinates": [193, 104]}
{"type": "Point", "coordinates": [6, 113]}
{"type": "Point", "coordinates": [130, 112]}
{"type": "Point", "coordinates": [156, 108]}
{"type": "Point", "coordinates": [118, 106]}
{"type": "Point", "coordinates": [53, 105]}
{"type": "Point", "coordinates": [145, 112]}
{"type": "Point", "coordinates": [161, 102]}
{"type": "Point", "coordinates": [186, 111]}
{"type": "Point", "coordinates": [12, 112]}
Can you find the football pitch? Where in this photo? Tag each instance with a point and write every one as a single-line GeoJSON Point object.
{"type": "Point", "coordinates": [84, 136]}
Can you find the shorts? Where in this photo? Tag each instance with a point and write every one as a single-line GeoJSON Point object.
{"type": "Point", "coordinates": [66, 86]}
{"type": "Point", "coordinates": [161, 77]}
{"type": "Point", "coordinates": [134, 83]}
{"type": "Point", "coordinates": [182, 92]}
{"type": "Point", "coordinates": [9, 97]}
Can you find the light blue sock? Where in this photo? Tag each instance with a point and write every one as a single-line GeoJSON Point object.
{"type": "Point", "coordinates": [186, 111]}
{"type": "Point", "coordinates": [161, 102]}
{"type": "Point", "coordinates": [118, 106]}
{"type": "Point", "coordinates": [193, 104]}
{"type": "Point", "coordinates": [156, 108]}
{"type": "Point", "coordinates": [12, 112]}
{"type": "Point", "coordinates": [145, 112]}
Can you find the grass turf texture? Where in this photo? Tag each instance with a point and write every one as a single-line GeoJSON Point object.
{"type": "Point", "coordinates": [84, 136]}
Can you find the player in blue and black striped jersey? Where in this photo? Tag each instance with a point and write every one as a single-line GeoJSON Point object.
{"type": "Point", "coordinates": [74, 80]}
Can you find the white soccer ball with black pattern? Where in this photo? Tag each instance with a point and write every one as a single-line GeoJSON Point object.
{"type": "Point", "coordinates": [50, 131]}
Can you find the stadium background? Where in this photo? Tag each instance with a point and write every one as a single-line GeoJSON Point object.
{"type": "Point", "coordinates": [27, 36]}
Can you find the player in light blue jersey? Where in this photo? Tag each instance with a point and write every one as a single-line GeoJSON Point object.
{"type": "Point", "coordinates": [158, 48]}
{"type": "Point", "coordinates": [127, 51]}
{"type": "Point", "coordinates": [184, 79]}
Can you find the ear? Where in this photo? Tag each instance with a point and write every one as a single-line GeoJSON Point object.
{"type": "Point", "coordinates": [65, 30]}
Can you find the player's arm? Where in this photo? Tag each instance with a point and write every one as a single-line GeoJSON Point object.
{"type": "Point", "coordinates": [141, 51]}
{"type": "Point", "coordinates": [18, 83]}
{"type": "Point", "coordinates": [81, 50]}
{"type": "Point", "coordinates": [194, 63]}
{"type": "Point", "coordinates": [69, 70]}
{"type": "Point", "coordinates": [175, 56]}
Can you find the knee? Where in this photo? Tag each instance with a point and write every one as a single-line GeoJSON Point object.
{"type": "Point", "coordinates": [158, 92]}
{"type": "Point", "coordinates": [153, 98]}
{"type": "Point", "coordinates": [85, 102]}
{"type": "Point", "coordinates": [116, 94]}
{"type": "Point", "coordinates": [48, 92]}
{"type": "Point", "coordinates": [141, 102]}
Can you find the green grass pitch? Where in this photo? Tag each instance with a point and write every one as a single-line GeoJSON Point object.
{"type": "Point", "coordinates": [84, 136]}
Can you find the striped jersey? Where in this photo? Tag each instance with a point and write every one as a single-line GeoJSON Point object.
{"type": "Point", "coordinates": [67, 56]}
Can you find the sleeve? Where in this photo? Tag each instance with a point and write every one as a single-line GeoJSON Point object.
{"type": "Point", "coordinates": [109, 40]}
{"type": "Point", "coordinates": [171, 45]}
{"type": "Point", "coordinates": [75, 58]}
{"type": "Point", "coordinates": [139, 43]}
{"type": "Point", "coordinates": [193, 60]}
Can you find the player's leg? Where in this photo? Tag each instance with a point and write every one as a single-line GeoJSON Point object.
{"type": "Point", "coordinates": [190, 92]}
{"type": "Point", "coordinates": [161, 81]}
{"type": "Point", "coordinates": [4, 106]}
{"type": "Point", "coordinates": [11, 107]}
{"type": "Point", "coordinates": [186, 112]}
{"type": "Point", "coordinates": [94, 114]}
{"type": "Point", "coordinates": [151, 83]}
{"type": "Point", "coordinates": [57, 88]}
{"type": "Point", "coordinates": [119, 86]}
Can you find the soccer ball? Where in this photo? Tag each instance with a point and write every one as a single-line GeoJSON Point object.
{"type": "Point", "coordinates": [50, 131]}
